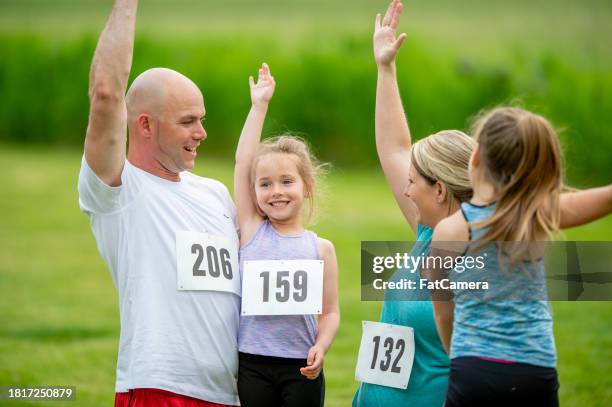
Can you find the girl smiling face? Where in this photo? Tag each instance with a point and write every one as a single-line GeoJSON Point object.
{"type": "Point", "coordinates": [279, 187]}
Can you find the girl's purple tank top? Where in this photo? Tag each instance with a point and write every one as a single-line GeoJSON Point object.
{"type": "Point", "coordinates": [287, 336]}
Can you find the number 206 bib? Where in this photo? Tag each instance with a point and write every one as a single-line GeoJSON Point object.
{"type": "Point", "coordinates": [386, 354]}
{"type": "Point", "coordinates": [206, 262]}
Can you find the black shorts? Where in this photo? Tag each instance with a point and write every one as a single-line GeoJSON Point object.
{"type": "Point", "coordinates": [478, 382]}
{"type": "Point", "coordinates": [268, 381]}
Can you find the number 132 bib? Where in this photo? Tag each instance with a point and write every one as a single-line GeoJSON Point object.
{"type": "Point", "coordinates": [386, 354]}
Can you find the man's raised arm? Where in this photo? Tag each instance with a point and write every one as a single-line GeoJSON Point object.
{"type": "Point", "coordinates": [106, 132]}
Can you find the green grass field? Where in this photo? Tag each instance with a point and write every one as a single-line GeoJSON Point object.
{"type": "Point", "coordinates": [58, 305]}
{"type": "Point", "coordinates": [59, 320]}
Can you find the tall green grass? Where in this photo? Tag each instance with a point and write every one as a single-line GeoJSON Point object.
{"type": "Point", "coordinates": [460, 57]}
{"type": "Point", "coordinates": [325, 88]}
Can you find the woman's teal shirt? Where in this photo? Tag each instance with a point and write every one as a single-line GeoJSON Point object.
{"type": "Point", "coordinates": [429, 377]}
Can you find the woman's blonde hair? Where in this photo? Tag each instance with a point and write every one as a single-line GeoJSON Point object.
{"type": "Point", "coordinates": [444, 157]}
{"type": "Point", "coordinates": [520, 154]}
{"type": "Point", "coordinates": [309, 167]}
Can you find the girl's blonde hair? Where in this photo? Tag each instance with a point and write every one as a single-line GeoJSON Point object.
{"type": "Point", "coordinates": [444, 157]}
{"type": "Point", "coordinates": [309, 167]}
{"type": "Point", "coordinates": [520, 154]}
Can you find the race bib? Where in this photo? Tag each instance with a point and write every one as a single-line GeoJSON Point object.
{"type": "Point", "coordinates": [206, 262]}
{"type": "Point", "coordinates": [386, 354]}
{"type": "Point", "coordinates": [282, 287]}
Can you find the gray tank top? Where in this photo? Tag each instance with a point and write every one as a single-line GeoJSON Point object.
{"type": "Point", "coordinates": [287, 336]}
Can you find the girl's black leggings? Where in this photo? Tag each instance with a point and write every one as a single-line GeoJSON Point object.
{"type": "Point", "coordinates": [267, 381]}
{"type": "Point", "coordinates": [478, 382]}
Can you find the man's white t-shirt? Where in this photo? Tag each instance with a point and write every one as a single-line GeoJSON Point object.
{"type": "Point", "coordinates": [181, 341]}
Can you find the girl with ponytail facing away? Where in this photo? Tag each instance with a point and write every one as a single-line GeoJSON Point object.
{"type": "Point", "coordinates": [501, 343]}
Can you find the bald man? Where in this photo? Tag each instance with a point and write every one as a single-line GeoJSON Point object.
{"type": "Point", "coordinates": [168, 236]}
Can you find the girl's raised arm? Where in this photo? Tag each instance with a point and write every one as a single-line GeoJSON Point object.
{"type": "Point", "coordinates": [261, 93]}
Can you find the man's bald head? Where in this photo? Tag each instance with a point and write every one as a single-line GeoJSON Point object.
{"type": "Point", "coordinates": [165, 109]}
{"type": "Point", "coordinates": [154, 89]}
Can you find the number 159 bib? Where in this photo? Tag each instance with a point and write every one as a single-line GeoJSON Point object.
{"type": "Point", "coordinates": [282, 287]}
{"type": "Point", "coordinates": [206, 262]}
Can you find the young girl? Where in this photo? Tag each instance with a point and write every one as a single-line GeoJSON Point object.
{"type": "Point", "coordinates": [502, 350]}
{"type": "Point", "coordinates": [281, 357]}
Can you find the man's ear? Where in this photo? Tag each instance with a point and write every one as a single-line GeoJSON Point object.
{"type": "Point", "coordinates": [145, 125]}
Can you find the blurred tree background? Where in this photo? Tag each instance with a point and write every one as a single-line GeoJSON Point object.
{"type": "Point", "coordinates": [461, 56]}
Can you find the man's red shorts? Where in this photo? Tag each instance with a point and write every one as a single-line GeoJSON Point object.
{"type": "Point", "coordinates": [159, 398]}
